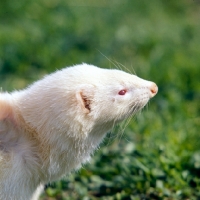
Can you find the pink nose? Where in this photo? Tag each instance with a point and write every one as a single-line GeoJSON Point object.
{"type": "Point", "coordinates": [153, 89]}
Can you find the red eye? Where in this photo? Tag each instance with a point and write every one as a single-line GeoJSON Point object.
{"type": "Point", "coordinates": [122, 92]}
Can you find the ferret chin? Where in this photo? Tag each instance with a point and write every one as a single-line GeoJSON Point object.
{"type": "Point", "coordinates": [54, 125]}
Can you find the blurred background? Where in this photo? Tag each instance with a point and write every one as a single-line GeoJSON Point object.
{"type": "Point", "coordinates": [158, 154]}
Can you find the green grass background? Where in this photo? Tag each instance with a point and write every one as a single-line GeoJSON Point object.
{"type": "Point", "coordinates": [158, 154]}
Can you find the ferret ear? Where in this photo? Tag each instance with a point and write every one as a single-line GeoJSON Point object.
{"type": "Point", "coordinates": [85, 96]}
{"type": "Point", "coordinates": [6, 110]}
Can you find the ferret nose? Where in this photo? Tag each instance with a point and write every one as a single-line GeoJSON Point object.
{"type": "Point", "coordinates": [153, 89]}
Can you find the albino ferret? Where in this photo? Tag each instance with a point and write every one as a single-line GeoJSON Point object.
{"type": "Point", "coordinates": [54, 125]}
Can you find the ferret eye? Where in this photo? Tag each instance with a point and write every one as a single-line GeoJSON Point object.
{"type": "Point", "coordinates": [122, 92]}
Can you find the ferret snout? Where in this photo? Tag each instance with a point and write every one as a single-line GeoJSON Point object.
{"type": "Point", "coordinates": [153, 89]}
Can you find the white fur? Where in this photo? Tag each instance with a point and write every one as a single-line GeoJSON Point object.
{"type": "Point", "coordinates": [53, 126]}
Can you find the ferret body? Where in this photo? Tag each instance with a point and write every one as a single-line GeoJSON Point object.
{"type": "Point", "coordinates": [54, 126]}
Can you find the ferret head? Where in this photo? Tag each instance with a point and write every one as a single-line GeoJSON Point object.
{"type": "Point", "coordinates": [112, 95]}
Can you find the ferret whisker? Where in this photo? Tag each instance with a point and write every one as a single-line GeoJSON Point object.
{"type": "Point", "coordinates": [123, 125]}
{"type": "Point", "coordinates": [114, 136]}
{"type": "Point", "coordinates": [112, 132]}
{"type": "Point", "coordinates": [110, 60]}
{"type": "Point", "coordinates": [119, 67]}
{"type": "Point", "coordinates": [133, 70]}
{"type": "Point", "coordinates": [127, 121]}
{"type": "Point", "coordinates": [111, 137]}
{"type": "Point", "coordinates": [125, 68]}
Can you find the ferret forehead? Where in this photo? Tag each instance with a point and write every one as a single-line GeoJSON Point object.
{"type": "Point", "coordinates": [122, 76]}
{"type": "Point", "coordinates": [85, 67]}
{"type": "Point", "coordinates": [84, 70]}
{"type": "Point", "coordinates": [91, 69]}
{"type": "Point", "coordinates": [94, 75]}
